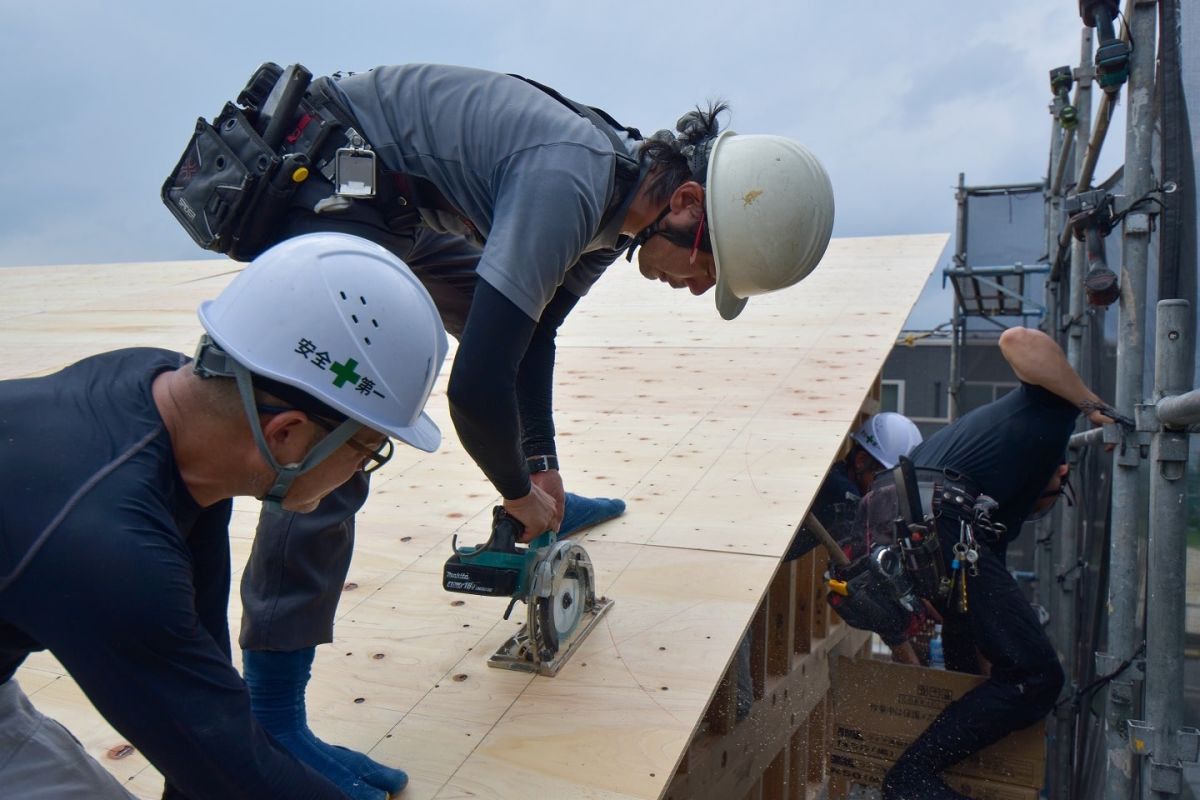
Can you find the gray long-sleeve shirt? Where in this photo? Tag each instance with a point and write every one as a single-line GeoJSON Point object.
{"type": "Point", "coordinates": [532, 176]}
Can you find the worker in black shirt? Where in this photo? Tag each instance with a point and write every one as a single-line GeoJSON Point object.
{"type": "Point", "coordinates": [1011, 451]}
{"type": "Point", "coordinates": [114, 509]}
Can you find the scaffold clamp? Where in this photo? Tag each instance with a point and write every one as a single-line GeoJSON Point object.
{"type": "Point", "coordinates": [1141, 737]}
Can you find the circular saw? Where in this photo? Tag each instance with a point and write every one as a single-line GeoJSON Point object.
{"type": "Point", "coordinates": [555, 579]}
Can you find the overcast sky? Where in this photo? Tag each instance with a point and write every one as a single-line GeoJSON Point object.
{"type": "Point", "coordinates": [100, 98]}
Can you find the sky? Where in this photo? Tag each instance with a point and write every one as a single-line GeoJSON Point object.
{"type": "Point", "coordinates": [101, 97]}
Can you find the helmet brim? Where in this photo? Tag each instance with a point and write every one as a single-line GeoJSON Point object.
{"type": "Point", "coordinates": [729, 305]}
{"type": "Point", "coordinates": [424, 434]}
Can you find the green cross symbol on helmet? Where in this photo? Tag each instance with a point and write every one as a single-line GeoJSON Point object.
{"type": "Point", "coordinates": [344, 373]}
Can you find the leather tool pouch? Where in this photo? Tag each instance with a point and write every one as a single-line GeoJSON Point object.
{"type": "Point", "coordinates": [224, 168]}
{"type": "Point", "coordinates": [231, 188]}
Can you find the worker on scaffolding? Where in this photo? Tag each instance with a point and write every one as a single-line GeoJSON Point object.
{"type": "Point", "coordinates": [877, 445]}
{"type": "Point", "coordinates": [509, 201]}
{"type": "Point", "coordinates": [115, 505]}
{"type": "Point", "coordinates": [980, 478]}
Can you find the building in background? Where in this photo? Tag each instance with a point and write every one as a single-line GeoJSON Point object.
{"type": "Point", "coordinates": [992, 276]}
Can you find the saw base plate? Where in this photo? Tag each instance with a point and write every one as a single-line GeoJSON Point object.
{"type": "Point", "coordinates": [518, 654]}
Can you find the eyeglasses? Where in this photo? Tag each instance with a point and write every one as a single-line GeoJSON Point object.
{"type": "Point", "coordinates": [698, 242]}
{"type": "Point", "coordinates": [372, 459]}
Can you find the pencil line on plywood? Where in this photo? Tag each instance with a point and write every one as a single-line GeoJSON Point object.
{"type": "Point", "coordinates": [636, 679]}
{"type": "Point", "coordinates": [475, 745]}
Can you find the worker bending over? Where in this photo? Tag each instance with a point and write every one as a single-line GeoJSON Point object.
{"type": "Point", "coordinates": [114, 509]}
{"type": "Point", "coordinates": [508, 201]}
{"type": "Point", "coordinates": [980, 478]}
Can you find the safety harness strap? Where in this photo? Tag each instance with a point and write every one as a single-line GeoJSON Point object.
{"type": "Point", "coordinates": [628, 168]}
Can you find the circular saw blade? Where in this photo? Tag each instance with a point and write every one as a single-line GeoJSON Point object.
{"type": "Point", "coordinates": [556, 617]}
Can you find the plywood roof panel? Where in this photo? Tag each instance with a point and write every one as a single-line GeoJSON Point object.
{"type": "Point", "coordinates": [716, 433]}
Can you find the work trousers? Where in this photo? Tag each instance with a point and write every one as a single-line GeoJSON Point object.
{"type": "Point", "coordinates": [41, 760]}
{"type": "Point", "coordinates": [1025, 679]}
{"type": "Point", "coordinates": [298, 563]}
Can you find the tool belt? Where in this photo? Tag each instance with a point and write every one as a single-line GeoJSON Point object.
{"type": "Point", "coordinates": [953, 496]}
{"type": "Point", "coordinates": [922, 498]}
{"type": "Point", "coordinates": [238, 175]}
{"type": "Point", "coordinates": [947, 494]}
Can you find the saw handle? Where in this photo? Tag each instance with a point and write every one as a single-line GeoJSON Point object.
{"type": "Point", "coordinates": [506, 529]}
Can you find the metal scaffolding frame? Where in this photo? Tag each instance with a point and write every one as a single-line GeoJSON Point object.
{"type": "Point", "coordinates": [1142, 758]}
{"type": "Point", "coordinates": [986, 291]}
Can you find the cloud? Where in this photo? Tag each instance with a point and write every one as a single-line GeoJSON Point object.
{"type": "Point", "coordinates": [896, 103]}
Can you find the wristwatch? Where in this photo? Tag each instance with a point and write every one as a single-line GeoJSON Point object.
{"type": "Point", "coordinates": [541, 463]}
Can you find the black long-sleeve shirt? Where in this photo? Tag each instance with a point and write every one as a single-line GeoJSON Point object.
{"type": "Point", "coordinates": [501, 386]}
{"type": "Point", "coordinates": [107, 561]}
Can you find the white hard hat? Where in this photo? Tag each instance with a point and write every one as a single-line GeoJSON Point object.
{"type": "Point", "coordinates": [770, 210]}
{"type": "Point", "coordinates": [343, 320]}
{"type": "Point", "coordinates": [887, 436]}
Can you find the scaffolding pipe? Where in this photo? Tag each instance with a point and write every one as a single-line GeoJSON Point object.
{"type": "Point", "coordinates": [1043, 553]}
{"type": "Point", "coordinates": [1006, 188]}
{"type": "Point", "coordinates": [1180, 411]}
{"type": "Point", "coordinates": [1092, 154]}
{"type": "Point", "coordinates": [1067, 540]}
{"type": "Point", "coordinates": [1066, 579]}
{"type": "Point", "coordinates": [1060, 154]}
{"type": "Point", "coordinates": [1095, 143]}
{"type": "Point", "coordinates": [991, 272]}
{"type": "Point", "coordinates": [1078, 321]}
{"type": "Point", "coordinates": [1065, 154]}
{"type": "Point", "coordinates": [960, 260]}
{"type": "Point", "coordinates": [1122, 634]}
{"type": "Point", "coordinates": [1167, 589]}
{"type": "Point", "coordinates": [1089, 437]}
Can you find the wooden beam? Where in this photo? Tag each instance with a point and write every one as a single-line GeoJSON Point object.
{"type": "Point", "coordinates": [781, 605]}
{"type": "Point", "coordinates": [724, 766]}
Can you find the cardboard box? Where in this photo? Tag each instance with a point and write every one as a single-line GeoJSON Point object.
{"type": "Point", "coordinates": [880, 708]}
{"type": "Point", "coordinates": [849, 774]}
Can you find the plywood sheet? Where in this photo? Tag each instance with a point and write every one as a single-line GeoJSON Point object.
{"type": "Point", "coordinates": [716, 433]}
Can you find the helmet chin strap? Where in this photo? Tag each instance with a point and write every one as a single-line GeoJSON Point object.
{"type": "Point", "coordinates": [285, 474]}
